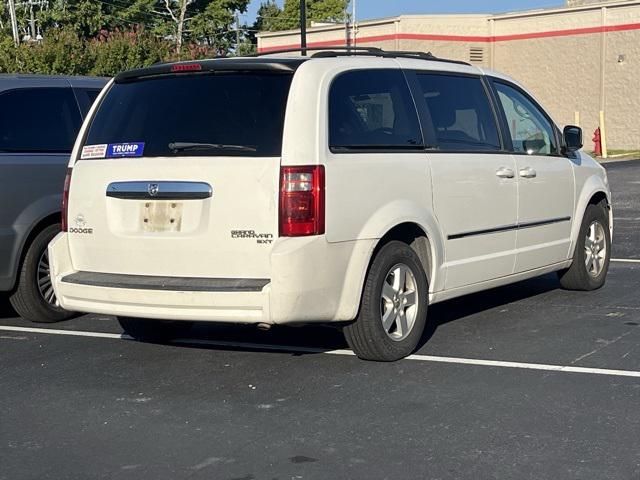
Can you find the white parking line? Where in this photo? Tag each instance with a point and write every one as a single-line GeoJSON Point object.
{"type": "Point", "coordinates": [53, 331]}
{"type": "Point", "coordinates": [625, 260]}
{"type": "Point", "coordinates": [295, 349]}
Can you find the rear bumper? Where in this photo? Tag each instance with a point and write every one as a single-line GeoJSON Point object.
{"type": "Point", "coordinates": [311, 281]}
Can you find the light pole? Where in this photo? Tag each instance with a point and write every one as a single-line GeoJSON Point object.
{"type": "Point", "coordinates": [354, 29]}
{"type": "Point", "coordinates": [14, 22]}
{"type": "Point", "coordinates": [303, 27]}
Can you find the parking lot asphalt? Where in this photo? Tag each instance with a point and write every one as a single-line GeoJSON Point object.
{"type": "Point", "coordinates": [524, 381]}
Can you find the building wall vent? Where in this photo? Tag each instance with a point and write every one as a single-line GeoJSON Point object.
{"type": "Point", "coordinates": [476, 54]}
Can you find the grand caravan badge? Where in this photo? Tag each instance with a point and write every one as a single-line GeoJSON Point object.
{"type": "Point", "coordinates": [260, 238]}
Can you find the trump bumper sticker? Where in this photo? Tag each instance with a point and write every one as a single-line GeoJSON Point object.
{"type": "Point", "coordinates": [133, 149]}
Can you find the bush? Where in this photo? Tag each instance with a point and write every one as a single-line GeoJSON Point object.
{"type": "Point", "coordinates": [116, 51]}
{"type": "Point", "coordinates": [63, 52]}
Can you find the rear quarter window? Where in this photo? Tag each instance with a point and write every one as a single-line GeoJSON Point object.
{"type": "Point", "coordinates": [228, 110]}
{"type": "Point", "coordinates": [372, 110]}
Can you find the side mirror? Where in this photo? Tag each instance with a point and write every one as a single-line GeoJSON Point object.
{"type": "Point", "coordinates": [572, 138]}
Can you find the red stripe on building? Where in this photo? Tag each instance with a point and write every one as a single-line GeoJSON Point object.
{"type": "Point", "coordinates": [465, 38]}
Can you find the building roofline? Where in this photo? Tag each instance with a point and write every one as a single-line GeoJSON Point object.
{"type": "Point", "coordinates": [555, 10]}
{"type": "Point", "coordinates": [495, 16]}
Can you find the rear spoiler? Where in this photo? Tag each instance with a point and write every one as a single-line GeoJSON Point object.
{"type": "Point", "coordinates": [282, 65]}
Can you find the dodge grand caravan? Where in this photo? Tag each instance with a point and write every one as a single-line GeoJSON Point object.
{"type": "Point", "coordinates": [355, 187]}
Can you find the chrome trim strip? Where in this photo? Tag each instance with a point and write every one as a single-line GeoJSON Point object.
{"type": "Point", "coordinates": [159, 190]}
{"type": "Point", "coordinates": [506, 228]}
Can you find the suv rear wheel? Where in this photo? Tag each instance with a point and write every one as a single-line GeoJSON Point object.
{"type": "Point", "coordinates": [147, 330]}
{"type": "Point", "coordinates": [592, 254]}
{"type": "Point", "coordinates": [34, 298]}
{"type": "Point", "coordinates": [393, 309]}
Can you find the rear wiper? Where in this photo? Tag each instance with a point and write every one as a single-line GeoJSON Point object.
{"type": "Point", "coordinates": [183, 146]}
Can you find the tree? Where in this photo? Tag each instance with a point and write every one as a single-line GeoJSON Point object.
{"type": "Point", "coordinates": [216, 26]}
{"type": "Point", "coordinates": [328, 11]}
{"type": "Point", "coordinates": [271, 17]}
{"type": "Point", "coordinates": [89, 17]}
{"type": "Point", "coordinates": [106, 36]}
{"type": "Point", "coordinates": [178, 11]}
{"type": "Point", "coordinates": [208, 21]}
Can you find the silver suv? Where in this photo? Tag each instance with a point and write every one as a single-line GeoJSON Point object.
{"type": "Point", "coordinates": [41, 116]}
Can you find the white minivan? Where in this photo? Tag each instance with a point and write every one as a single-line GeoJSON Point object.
{"type": "Point", "coordinates": [348, 186]}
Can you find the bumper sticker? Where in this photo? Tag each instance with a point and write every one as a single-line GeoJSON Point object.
{"type": "Point", "coordinates": [93, 151]}
{"type": "Point", "coordinates": [130, 149]}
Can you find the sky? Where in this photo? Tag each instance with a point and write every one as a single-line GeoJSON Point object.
{"type": "Point", "coordinates": [369, 9]}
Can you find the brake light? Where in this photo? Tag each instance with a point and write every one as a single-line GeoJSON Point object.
{"type": "Point", "coordinates": [301, 201]}
{"type": "Point", "coordinates": [65, 201]}
{"type": "Point", "coordinates": [186, 67]}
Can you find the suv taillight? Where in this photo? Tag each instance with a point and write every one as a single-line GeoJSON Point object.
{"type": "Point", "coordinates": [301, 201]}
{"type": "Point", "coordinates": [65, 200]}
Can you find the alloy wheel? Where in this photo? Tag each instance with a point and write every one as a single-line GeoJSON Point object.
{"type": "Point", "coordinates": [43, 277]}
{"type": "Point", "coordinates": [399, 302]}
{"type": "Point", "coordinates": [595, 249]}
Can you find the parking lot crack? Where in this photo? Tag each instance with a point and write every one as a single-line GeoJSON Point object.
{"type": "Point", "coordinates": [605, 344]}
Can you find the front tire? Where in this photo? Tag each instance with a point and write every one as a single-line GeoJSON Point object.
{"type": "Point", "coordinates": [34, 298]}
{"type": "Point", "coordinates": [393, 308]}
{"type": "Point", "coordinates": [592, 254]}
{"type": "Point", "coordinates": [155, 331]}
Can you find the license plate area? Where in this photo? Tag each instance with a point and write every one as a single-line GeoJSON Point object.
{"type": "Point", "coordinates": [161, 216]}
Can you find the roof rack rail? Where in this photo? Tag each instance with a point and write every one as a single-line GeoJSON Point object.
{"type": "Point", "coordinates": [391, 54]}
{"type": "Point", "coordinates": [328, 49]}
{"type": "Point", "coordinates": [344, 51]}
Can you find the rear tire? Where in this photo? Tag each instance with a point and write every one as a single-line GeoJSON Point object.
{"type": "Point", "coordinates": [393, 308]}
{"type": "Point", "coordinates": [34, 298]}
{"type": "Point", "coordinates": [592, 254]}
{"type": "Point", "coordinates": [156, 331]}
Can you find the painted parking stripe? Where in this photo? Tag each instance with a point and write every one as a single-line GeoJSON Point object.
{"type": "Point", "coordinates": [295, 349]}
{"type": "Point", "coordinates": [625, 260]}
{"type": "Point", "coordinates": [53, 331]}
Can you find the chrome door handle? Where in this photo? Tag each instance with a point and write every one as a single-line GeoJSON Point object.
{"type": "Point", "coordinates": [528, 172]}
{"type": "Point", "coordinates": [504, 172]}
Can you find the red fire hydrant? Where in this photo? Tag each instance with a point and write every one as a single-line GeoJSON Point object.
{"type": "Point", "coordinates": [597, 142]}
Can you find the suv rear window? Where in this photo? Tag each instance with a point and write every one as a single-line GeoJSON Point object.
{"type": "Point", "coordinates": [38, 120]}
{"type": "Point", "coordinates": [227, 114]}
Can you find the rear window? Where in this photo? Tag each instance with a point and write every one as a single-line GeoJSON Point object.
{"type": "Point", "coordinates": [214, 114]}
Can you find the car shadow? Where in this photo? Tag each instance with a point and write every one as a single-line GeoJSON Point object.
{"type": "Point", "coordinates": [6, 310]}
{"type": "Point", "coordinates": [476, 303]}
{"type": "Point", "coordinates": [322, 338]}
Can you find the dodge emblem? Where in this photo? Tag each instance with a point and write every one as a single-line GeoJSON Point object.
{"type": "Point", "coordinates": [153, 189]}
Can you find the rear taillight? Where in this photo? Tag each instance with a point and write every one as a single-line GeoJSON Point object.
{"type": "Point", "coordinates": [65, 200]}
{"type": "Point", "coordinates": [301, 201]}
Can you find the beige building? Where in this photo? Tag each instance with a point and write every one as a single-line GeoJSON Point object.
{"type": "Point", "coordinates": [578, 60]}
